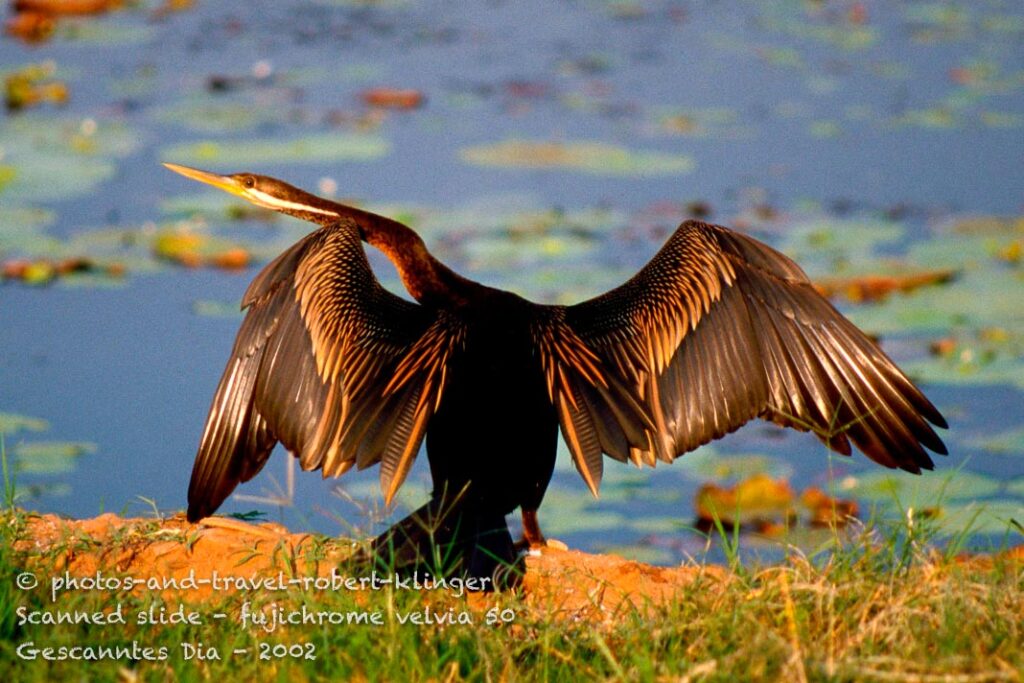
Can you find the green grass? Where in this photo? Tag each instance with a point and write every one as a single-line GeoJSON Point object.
{"type": "Point", "coordinates": [885, 607]}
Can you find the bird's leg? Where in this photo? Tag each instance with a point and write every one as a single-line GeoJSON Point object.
{"type": "Point", "coordinates": [450, 536]}
{"type": "Point", "coordinates": [532, 535]}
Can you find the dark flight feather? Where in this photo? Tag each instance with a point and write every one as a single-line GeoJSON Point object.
{"type": "Point", "coordinates": [329, 363]}
{"type": "Point", "coordinates": [716, 330]}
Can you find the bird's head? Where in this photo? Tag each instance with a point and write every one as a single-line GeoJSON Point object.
{"type": "Point", "coordinates": [265, 191]}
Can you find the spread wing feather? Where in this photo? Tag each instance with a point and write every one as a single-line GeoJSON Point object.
{"type": "Point", "coordinates": [329, 363]}
{"type": "Point", "coordinates": [716, 330]}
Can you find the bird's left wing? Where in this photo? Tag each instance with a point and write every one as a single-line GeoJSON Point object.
{"type": "Point", "coordinates": [716, 330]}
{"type": "Point", "coordinates": [329, 363]}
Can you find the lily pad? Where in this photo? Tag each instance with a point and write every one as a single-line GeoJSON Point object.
{"type": "Point", "coordinates": [926, 490]}
{"type": "Point", "coordinates": [214, 115]}
{"type": "Point", "coordinates": [973, 372]}
{"type": "Point", "coordinates": [107, 33]}
{"type": "Point", "coordinates": [10, 423]}
{"type": "Point", "coordinates": [587, 157]}
{"type": "Point", "coordinates": [221, 154]}
{"type": "Point", "coordinates": [217, 309]}
{"type": "Point", "coordinates": [952, 305]}
{"type": "Point", "coordinates": [658, 525]}
{"type": "Point", "coordinates": [50, 457]}
{"type": "Point", "coordinates": [754, 498]}
{"type": "Point", "coordinates": [81, 153]}
{"type": "Point", "coordinates": [982, 517]}
{"type": "Point", "coordinates": [705, 463]}
{"type": "Point", "coordinates": [820, 244]}
{"type": "Point", "coordinates": [1010, 442]}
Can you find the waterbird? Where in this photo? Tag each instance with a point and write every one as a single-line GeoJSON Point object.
{"type": "Point", "coordinates": [716, 330]}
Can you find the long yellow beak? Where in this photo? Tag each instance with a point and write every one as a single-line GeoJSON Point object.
{"type": "Point", "coordinates": [221, 182]}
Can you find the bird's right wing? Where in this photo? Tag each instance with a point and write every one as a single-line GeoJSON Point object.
{"type": "Point", "coordinates": [329, 363]}
{"type": "Point", "coordinates": [716, 330]}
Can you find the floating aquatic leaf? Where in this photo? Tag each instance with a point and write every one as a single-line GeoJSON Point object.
{"type": "Point", "coordinates": [247, 154]}
{"type": "Point", "coordinates": [658, 525]}
{"type": "Point", "coordinates": [394, 98]}
{"type": "Point", "coordinates": [759, 497]}
{"type": "Point", "coordinates": [215, 207]}
{"type": "Point", "coordinates": [31, 27]}
{"type": "Point", "coordinates": [483, 253]}
{"type": "Point", "coordinates": [214, 114]}
{"type": "Point", "coordinates": [926, 490]}
{"type": "Point", "coordinates": [14, 219]}
{"type": "Point", "coordinates": [592, 520]}
{"type": "Point", "coordinates": [105, 33]}
{"type": "Point", "coordinates": [953, 305]}
{"type": "Point", "coordinates": [588, 157]}
{"type": "Point", "coordinates": [50, 489]}
{"type": "Point", "coordinates": [217, 309]}
{"type": "Point", "coordinates": [79, 152]}
{"type": "Point", "coordinates": [63, 8]}
{"type": "Point", "coordinates": [936, 117]}
{"type": "Point", "coordinates": [711, 122]}
{"type": "Point", "coordinates": [10, 423]}
{"type": "Point", "coordinates": [970, 370]}
{"type": "Point", "coordinates": [1011, 441]}
{"type": "Point", "coordinates": [33, 85]}
{"type": "Point", "coordinates": [820, 244]}
{"type": "Point", "coordinates": [52, 134]}
{"type": "Point", "coordinates": [826, 510]}
{"type": "Point", "coordinates": [50, 457]}
{"type": "Point", "coordinates": [981, 517]}
{"type": "Point", "coordinates": [863, 288]}
{"type": "Point", "coordinates": [80, 176]}
{"type": "Point", "coordinates": [825, 129]}
{"type": "Point", "coordinates": [706, 463]}
{"type": "Point", "coordinates": [193, 249]}
{"type": "Point", "coordinates": [21, 231]}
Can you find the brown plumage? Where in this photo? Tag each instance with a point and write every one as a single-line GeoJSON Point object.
{"type": "Point", "coordinates": [716, 330]}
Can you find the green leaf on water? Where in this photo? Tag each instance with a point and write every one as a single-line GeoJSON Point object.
{"type": "Point", "coordinates": [80, 152]}
{"type": "Point", "coordinates": [929, 489]}
{"type": "Point", "coordinates": [247, 154]}
{"type": "Point", "coordinates": [10, 423]}
{"type": "Point", "coordinates": [706, 464]}
{"type": "Point", "coordinates": [87, 32]}
{"type": "Point", "coordinates": [215, 115]}
{"type": "Point", "coordinates": [821, 244]}
{"type": "Point", "coordinates": [952, 305]}
{"type": "Point", "coordinates": [1011, 441]}
{"type": "Point", "coordinates": [588, 157]}
{"type": "Point", "coordinates": [982, 517]}
{"type": "Point", "coordinates": [50, 489]}
{"type": "Point", "coordinates": [217, 309]}
{"type": "Point", "coordinates": [50, 457]}
{"type": "Point", "coordinates": [975, 371]}
{"type": "Point", "coordinates": [658, 525]}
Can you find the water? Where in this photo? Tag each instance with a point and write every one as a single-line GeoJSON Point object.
{"type": "Point", "coordinates": [910, 117]}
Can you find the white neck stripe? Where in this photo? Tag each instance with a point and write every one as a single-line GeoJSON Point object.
{"type": "Point", "coordinates": [280, 204]}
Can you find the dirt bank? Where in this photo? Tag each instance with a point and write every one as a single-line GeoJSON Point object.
{"type": "Point", "coordinates": [563, 583]}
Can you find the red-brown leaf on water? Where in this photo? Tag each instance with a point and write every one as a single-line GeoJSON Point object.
{"type": "Point", "coordinates": [866, 288]}
{"type": "Point", "coordinates": [394, 98]}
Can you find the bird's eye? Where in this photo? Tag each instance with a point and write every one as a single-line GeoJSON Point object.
{"type": "Point", "coordinates": [249, 182]}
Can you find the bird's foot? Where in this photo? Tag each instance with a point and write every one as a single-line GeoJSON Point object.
{"type": "Point", "coordinates": [533, 540]}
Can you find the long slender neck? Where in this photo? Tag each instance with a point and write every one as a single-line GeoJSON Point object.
{"type": "Point", "coordinates": [426, 279]}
